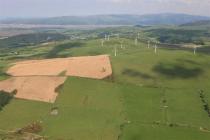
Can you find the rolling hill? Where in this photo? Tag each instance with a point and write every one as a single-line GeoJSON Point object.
{"type": "Point", "coordinates": [152, 19]}
{"type": "Point", "coordinates": [30, 39]}
{"type": "Point", "coordinates": [198, 23]}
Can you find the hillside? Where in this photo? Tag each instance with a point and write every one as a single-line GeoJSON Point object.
{"type": "Point", "coordinates": [162, 96]}
{"type": "Point", "coordinates": [152, 19]}
{"type": "Point", "coordinates": [198, 23]}
{"type": "Point", "coordinates": [30, 39]}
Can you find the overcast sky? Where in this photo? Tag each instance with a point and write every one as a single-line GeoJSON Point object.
{"type": "Point", "coordinates": [51, 8]}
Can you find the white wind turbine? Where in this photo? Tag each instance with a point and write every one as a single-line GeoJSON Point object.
{"type": "Point", "coordinates": [115, 51]}
{"type": "Point", "coordinates": [148, 43]}
{"type": "Point", "coordinates": [136, 41]}
{"type": "Point", "coordinates": [155, 47]}
{"type": "Point", "coordinates": [102, 42]}
{"type": "Point", "coordinates": [195, 49]}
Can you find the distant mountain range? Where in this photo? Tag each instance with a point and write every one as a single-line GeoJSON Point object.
{"type": "Point", "coordinates": [198, 23]}
{"type": "Point", "coordinates": [152, 19]}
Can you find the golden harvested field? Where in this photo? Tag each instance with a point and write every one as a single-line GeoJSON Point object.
{"type": "Point", "coordinates": [38, 79]}
{"type": "Point", "coordinates": [97, 67]}
{"type": "Point", "coordinates": [38, 88]}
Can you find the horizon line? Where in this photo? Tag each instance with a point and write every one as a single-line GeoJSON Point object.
{"type": "Point", "coordinates": [108, 14]}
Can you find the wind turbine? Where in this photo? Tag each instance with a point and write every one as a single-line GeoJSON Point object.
{"type": "Point", "coordinates": [115, 51]}
{"type": "Point", "coordinates": [118, 36]}
{"type": "Point", "coordinates": [121, 44]}
{"type": "Point", "coordinates": [136, 41]}
{"type": "Point", "coordinates": [102, 42]}
{"type": "Point", "coordinates": [148, 43]}
{"type": "Point", "coordinates": [195, 48]}
{"type": "Point", "coordinates": [155, 47]}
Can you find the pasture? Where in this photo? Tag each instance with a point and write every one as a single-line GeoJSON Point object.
{"type": "Point", "coordinates": [150, 96]}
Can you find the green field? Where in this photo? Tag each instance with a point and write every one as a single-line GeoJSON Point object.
{"type": "Point", "coordinates": [151, 96]}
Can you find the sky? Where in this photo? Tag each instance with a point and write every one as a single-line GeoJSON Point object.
{"type": "Point", "coordinates": [53, 8]}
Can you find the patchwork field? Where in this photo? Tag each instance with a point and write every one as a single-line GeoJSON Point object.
{"type": "Point", "coordinates": [38, 79]}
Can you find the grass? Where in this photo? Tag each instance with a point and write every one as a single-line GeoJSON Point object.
{"type": "Point", "coordinates": [185, 106]}
{"type": "Point", "coordinates": [90, 112]}
{"type": "Point", "coordinates": [149, 119]}
{"type": "Point", "coordinates": [150, 132]}
{"type": "Point", "coordinates": [152, 96]}
{"type": "Point", "coordinates": [3, 67]}
{"type": "Point", "coordinates": [20, 113]}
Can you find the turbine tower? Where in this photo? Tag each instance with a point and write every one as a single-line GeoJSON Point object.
{"type": "Point", "coordinates": [155, 47]}
{"type": "Point", "coordinates": [102, 42]}
{"type": "Point", "coordinates": [106, 37]}
{"type": "Point", "coordinates": [115, 51]}
{"type": "Point", "coordinates": [118, 36]}
{"type": "Point", "coordinates": [195, 48]}
{"type": "Point", "coordinates": [136, 41]}
{"type": "Point", "coordinates": [148, 44]}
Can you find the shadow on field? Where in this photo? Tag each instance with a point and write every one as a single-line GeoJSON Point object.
{"type": "Point", "coordinates": [204, 50]}
{"type": "Point", "coordinates": [171, 47]}
{"type": "Point", "coordinates": [55, 51]}
{"type": "Point", "coordinates": [94, 53]}
{"type": "Point", "coordinates": [188, 61]}
{"type": "Point", "coordinates": [5, 98]}
{"type": "Point", "coordinates": [177, 70]}
{"type": "Point", "coordinates": [35, 56]}
{"type": "Point", "coordinates": [2, 73]}
{"type": "Point", "coordinates": [134, 73]}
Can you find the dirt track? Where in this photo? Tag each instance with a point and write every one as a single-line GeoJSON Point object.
{"type": "Point", "coordinates": [38, 88]}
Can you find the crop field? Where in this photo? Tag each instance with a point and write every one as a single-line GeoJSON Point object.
{"type": "Point", "coordinates": [97, 67]}
{"type": "Point", "coordinates": [150, 96]}
{"type": "Point", "coordinates": [33, 88]}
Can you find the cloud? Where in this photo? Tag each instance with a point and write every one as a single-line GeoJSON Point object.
{"type": "Point", "coordinates": [121, 1]}
{"type": "Point", "coordinates": [160, 1]}
{"type": "Point", "coordinates": [84, 7]}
